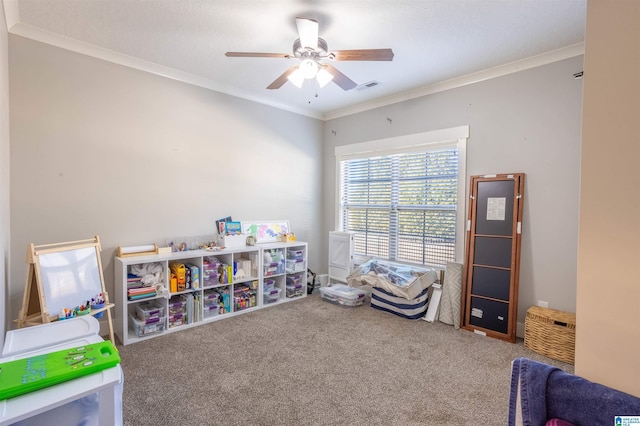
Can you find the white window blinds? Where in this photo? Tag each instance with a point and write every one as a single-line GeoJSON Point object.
{"type": "Point", "coordinates": [403, 206]}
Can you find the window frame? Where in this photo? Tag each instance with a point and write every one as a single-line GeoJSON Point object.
{"type": "Point", "coordinates": [455, 136]}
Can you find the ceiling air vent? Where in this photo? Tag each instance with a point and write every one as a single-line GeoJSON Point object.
{"type": "Point", "coordinates": [368, 85]}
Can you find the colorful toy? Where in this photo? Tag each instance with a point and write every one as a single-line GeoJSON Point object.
{"type": "Point", "coordinates": [40, 371]}
{"type": "Point", "coordinates": [179, 270]}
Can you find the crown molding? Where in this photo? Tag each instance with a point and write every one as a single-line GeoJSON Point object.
{"type": "Point", "coordinates": [91, 50]}
{"type": "Point", "coordinates": [14, 26]}
{"type": "Point", "coordinates": [499, 71]}
{"type": "Point", "coordinates": [11, 13]}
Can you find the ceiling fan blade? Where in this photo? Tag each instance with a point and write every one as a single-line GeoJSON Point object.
{"type": "Point", "coordinates": [363, 55]}
{"type": "Point", "coordinates": [278, 82]}
{"type": "Point", "coordinates": [256, 55]}
{"type": "Point", "coordinates": [308, 32]}
{"type": "Point", "coordinates": [340, 79]}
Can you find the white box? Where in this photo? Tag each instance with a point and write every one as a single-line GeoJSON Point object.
{"type": "Point", "coordinates": [232, 241]}
{"type": "Point", "coordinates": [244, 265]}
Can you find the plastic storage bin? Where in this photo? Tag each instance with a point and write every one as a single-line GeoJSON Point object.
{"type": "Point", "coordinates": [211, 311]}
{"type": "Point", "coordinates": [294, 290]}
{"type": "Point", "coordinates": [92, 400]}
{"type": "Point", "coordinates": [295, 265]}
{"type": "Point", "coordinates": [273, 262]}
{"type": "Point", "coordinates": [142, 328]}
{"type": "Point", "coordinates": [295, 254]}
{"type": "Point", "coordinates": [294, 279]}
{"type": "Point", "coordinates": [211, 297]}
{"type": "Point", "coordinates": [269, 284]}
{"type": "Point", "coordinates": [271, 296]}
{"type": "Point", "coordinates": [149, 311]}
{"type": "Point", "coordinates": [273, 268]}
{"type": "Point", "coordinates": [211, 304]}
{"type": "Point", "coordinates": [244, 297]}
{"type": "Point", "coordinates": [210, 266]}
{"type": "Point", "coordinates": [342, 294]}
{"type": "Point", "coordinates": [177, 307]}
{"type": "Point", "coordinates": [176, 320]}
{"type": "Point", "coordinates": [177, 312]}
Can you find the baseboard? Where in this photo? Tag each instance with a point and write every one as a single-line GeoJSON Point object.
{"type": "Point", "coordinates": [520, 330]}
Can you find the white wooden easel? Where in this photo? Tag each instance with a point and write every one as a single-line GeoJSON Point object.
{"type": "Point", "coordinates": [76, 275]}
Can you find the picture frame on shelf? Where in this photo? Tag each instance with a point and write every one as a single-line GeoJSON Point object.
{"type": "Point", "coordinates": [266, 231]}
{"type": "Point", "coordinates": [220, 224]}
{"type": "Point", "coordinates": [232, 228]}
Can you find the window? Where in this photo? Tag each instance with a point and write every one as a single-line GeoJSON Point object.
{"type": "Point", "coordinates": [403, 203]}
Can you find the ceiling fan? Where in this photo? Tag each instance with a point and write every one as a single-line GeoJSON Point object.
{"type": "Point", "coordinates": [312, 51]}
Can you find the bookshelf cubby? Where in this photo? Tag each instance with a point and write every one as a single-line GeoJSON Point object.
{"type": "Point", "coordinates": [205, 287]}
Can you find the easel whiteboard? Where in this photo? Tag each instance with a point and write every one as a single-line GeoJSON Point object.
{"type": "Point", "coordinates": [63, 276]}
{"type": "Point", "coordinates": [70, 278]}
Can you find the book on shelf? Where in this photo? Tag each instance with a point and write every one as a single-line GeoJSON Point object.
{"type": "Point", "coordinates": [232, 228]}
{"type": "Point", "coordinates": [141, 290]}
{"type": "Point", "coordinates": [220, 223]}
{"type": "Point", "coordinates": [141, 296]}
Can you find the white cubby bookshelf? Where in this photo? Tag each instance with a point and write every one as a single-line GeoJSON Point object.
{"type": "Point", "coordinates": [272, 274]}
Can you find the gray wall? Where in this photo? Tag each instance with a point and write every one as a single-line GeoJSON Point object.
{"type": "Point", "coordinates": [4, 171]}
{"type": "Point", "coordinates": [98, 148]}
{"type": "Point", "coordinates": [528, 122]}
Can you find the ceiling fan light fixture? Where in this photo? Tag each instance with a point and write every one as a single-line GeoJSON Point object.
{"type": "Point", "coordinates": [310, 49]}
{"type": "Point", "coordinates": [296, 78]}
{"type": "Point", "coordinates": [308, 68]}
{"type": "Point", "coordinates": [323, 77]}
{"type": "Point", "coordinates": [308, 31]}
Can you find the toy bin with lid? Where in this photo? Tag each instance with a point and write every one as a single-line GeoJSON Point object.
{"type": "Point", "coordinates": [144, 328]}
{"type": "Point", "coordinates": [269, 283]}
{"type": "Point", "coordinates": [149, 311]}
{"type": "Point", "coordinates": [294, 290]}
{"type": "Point", "coordinates": [271, 296]}
{"type": "Point", "coordinates": [342, 294]}
{"type": "Point", "coordinates": [295, 265]}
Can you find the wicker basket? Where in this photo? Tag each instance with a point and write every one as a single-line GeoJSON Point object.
{"type": "Point", "coordinates": [551, 333]}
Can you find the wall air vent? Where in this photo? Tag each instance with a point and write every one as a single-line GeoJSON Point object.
{"type": "Point", "coordinates": [368, 85]}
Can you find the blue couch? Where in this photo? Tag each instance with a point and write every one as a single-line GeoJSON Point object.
{"type": "Point", "coordinates": [541, 393]}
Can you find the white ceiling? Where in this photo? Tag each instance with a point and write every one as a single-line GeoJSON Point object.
{"type": "Point", "coordinates": [437, 43]}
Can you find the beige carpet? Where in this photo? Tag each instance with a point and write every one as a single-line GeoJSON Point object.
{"type": "Point", "coordinates": [313, 363]}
